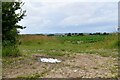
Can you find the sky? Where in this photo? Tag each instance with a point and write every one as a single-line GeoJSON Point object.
{"type": "Point", "coordinates": [55, 16]}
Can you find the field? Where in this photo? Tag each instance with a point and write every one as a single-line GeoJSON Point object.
{"type": "Point", "coordinates": [87, 56]}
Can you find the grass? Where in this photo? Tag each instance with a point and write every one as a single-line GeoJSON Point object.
{"type": "Point", "coordinates": [104, 45]}
{"type": "Point", "coordinates": [10, 51]}
{"type": "Point", "coordinates": [31, 77]}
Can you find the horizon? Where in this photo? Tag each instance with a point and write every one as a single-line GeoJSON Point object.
{"type": "Point", "coordinates": [68, 32]}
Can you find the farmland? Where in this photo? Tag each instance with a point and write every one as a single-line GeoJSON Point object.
{"type": "Point", "coordinates": [82, 55]}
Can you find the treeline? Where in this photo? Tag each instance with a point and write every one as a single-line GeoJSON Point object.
{"type": "Point", "coordinates": [78, 34]}
{"type": "Point", "coordinates": [70, 34]}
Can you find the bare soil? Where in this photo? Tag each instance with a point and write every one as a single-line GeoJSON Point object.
{"type": "Point", "coordinates": [76, 65]}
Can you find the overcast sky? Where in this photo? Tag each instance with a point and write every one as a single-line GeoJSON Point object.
{"type": "Point", "coordinates": [73, 16]}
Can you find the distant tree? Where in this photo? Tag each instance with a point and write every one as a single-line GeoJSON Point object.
{"type": "Point", "coordinates": [98, 33]}
{"type": "Point", "coordinates": [72, 34]}
{"type": "Point", "coordinates": [9, 27]}
{"type": "Point", "coordinates": [76, 34]}
{"type": "Point", "coordinates": [69, 34]}
{"type": "Point", "coordinates": [94, 34]}
{"type": "Point", "coordinates": [81, 34]}
{"type": "Point", "coordinates": [105, 33]}
{"type": "Point", "coordinates": [50, 35]}
{"type": "Point", "coordinates": [90, 34]}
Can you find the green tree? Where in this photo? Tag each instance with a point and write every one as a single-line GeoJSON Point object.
{"type": "Point", "coordinates": [69, 34]}
{"type": "Point", "coordinates": [12, 13]}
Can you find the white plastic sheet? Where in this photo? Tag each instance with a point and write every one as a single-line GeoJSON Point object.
{"type": "Point", "coordinates": [50, 60]}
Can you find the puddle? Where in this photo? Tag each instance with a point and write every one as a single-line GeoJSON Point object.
{"type": "Point", "coordinates": [50, 60]}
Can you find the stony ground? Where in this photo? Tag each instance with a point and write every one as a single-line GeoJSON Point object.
{"type": "Point", "coordinates": [76, 65]}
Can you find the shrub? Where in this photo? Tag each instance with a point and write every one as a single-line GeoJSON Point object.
{"type": "Point", "coordinates": [9, 49]}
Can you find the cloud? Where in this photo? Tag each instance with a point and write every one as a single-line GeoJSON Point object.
{"type": "Point", "coordinates": [71, 1]}
{"type": "Point", "coordinates": [56, 16]}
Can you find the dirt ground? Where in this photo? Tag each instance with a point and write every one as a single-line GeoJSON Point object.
{"type": "Point", "coordinates": [76, 65]}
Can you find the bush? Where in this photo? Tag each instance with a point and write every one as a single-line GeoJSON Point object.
{"type": "Point", "coordinates": [10, 49]}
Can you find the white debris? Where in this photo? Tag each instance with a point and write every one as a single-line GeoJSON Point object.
{"type": "Point", "coordinates": [50, 60]}
{"type": "Point", "coordinates": [75, 70]}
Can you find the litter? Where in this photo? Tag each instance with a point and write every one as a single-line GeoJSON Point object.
{"type": "Point", "coordinates": [50, 60]}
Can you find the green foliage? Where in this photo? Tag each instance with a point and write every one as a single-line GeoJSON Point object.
{"type": "Point", "coordinates": [9, 27]}
{"type": "Point", "coordinates": [10, 51]}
